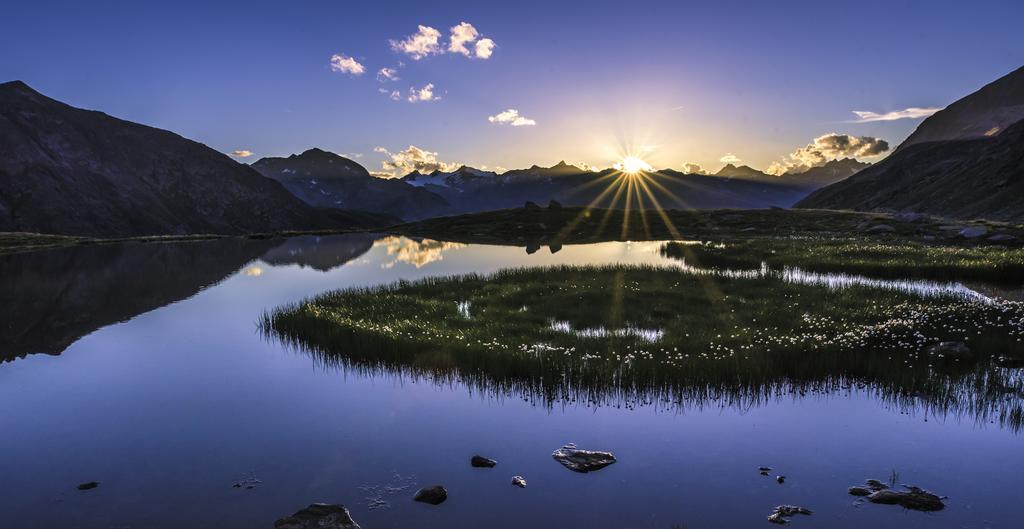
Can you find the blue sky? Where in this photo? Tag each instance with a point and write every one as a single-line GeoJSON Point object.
{"type": "Point", "coordinates": [673, 82]}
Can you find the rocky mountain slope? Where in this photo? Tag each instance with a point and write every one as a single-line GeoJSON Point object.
{"type": "Point", "coordinates": [66, 170]}
{"type": "Point", "coordinates": [987, 112]}
{"type": "Point", "coordinates": [975, 178]}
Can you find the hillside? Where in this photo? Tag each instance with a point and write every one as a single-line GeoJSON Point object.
{"type": "Point", "coordinates": [65, 170]}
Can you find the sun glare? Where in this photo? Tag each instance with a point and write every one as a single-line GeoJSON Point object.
{"type": "Point", "coordinates": [633, 165]}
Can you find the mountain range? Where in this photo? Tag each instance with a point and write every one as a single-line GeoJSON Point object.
{"type": "Point", "coordinates": [964, 161]}
{"type": "Point", "coordinates": [79, 172]}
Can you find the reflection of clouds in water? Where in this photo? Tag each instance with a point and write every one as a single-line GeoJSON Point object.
{"type": "Point", "coordinates": [417, 253]}
{"type": "Point", "coordinates": [253, 271]}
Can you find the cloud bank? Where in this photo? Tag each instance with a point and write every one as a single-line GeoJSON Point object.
{"type": "Point", "coordinates": [413, 159]}
{"type": "Point", "coordinates": [693, 168]}
{"type": "Point", "coordinates": [829, 147]}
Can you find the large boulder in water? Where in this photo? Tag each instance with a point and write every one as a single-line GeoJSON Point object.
{"type": "Point", "coordinates": [579, 460]}
{"type": "Point", "coordinates": [319, 516]}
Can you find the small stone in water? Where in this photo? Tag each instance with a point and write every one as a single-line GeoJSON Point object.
{"type": "Point", "coordinates": [780, 479]}
{"type": "Point", "coordinates": [482, 462]}
{"type": "Point", "coordinates": [89, 485]}
{"type": "Point", "coordinates": [519, 481]}
{"type": "Point", "coordinates": [434, 495]}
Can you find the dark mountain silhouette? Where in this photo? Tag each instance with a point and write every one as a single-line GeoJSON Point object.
{"type": "Point", "coordinates": [71, 171]}
{"type": "Point", "coordinates": [830, 173]}
{"type": "Point", "coordinates": [743, 171]}
{"type": "Point", "coordinates": [964, 161]}
{"type": "Point", "coordinates": [50, 299]}
{"type": "Point", "coordinates": [987, 112]}
{"type": "Point", "coordinates": [327, 180]}
{"type": "Point", "coordinates": [976, 178]}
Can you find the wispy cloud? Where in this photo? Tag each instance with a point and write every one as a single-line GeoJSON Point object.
{"type": "Point", "coordinates": [828, 147]}
{"type": "Point", "coordinates": [421, 44]}
{"type": "Point", "coordinates": [241, 153]}
{"type": "Point", "coordinates": [426, 93]}
{"type": "Point", "coordinates": [387, 74]}
{"type": "Point", "coordinates": [864, 116]}
{"type": "Point", "coordinates": [343, 63]}
{"type": "Point", "coordinates": [730, 158]}
{"type": "Point", "coordinates": [511, 117]}
{"type": "Point", "coordinates": [412, 159]}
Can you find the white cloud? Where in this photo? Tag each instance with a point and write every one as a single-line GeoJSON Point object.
{"type": "Point", "coordinates": [462, 34]}
{"type": "Point", "coordinates": [511, 117]}
{"type": "Point", "coordinates": [693, 168]}
{"type": "Point", "coordinates": [908, 113]}
{"type": "Point", "coordinates": [346, 64]}
{"type": "Point", "coordinates": [829, 147]}
{"type": "Point", "coordinates": [422, 94]}
{"type": "Point", "coordinates": [387, 74]}
{"type": "Point", "coordinates": [420, 44]}
{"type": "Point", "coordinates": [730, 158]}
{"type": "Point", "coordinates": [241, 153]}
{"type": "Point", "coordinates": [484, 48]}
{"type": "Point", "coordinates": [414, 158]}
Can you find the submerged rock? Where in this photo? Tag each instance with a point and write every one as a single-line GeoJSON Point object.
{"type": "Point", "coordinates": [780, 479]}
{"type": "Point", "coordinates": [88, 485]}
{"type": "Point", "coordinates": [913, 498]}
{"type": "Point", "coordinates": [782, 513]}
{"type": "Point", "coordinates": [482, 462]}
{"type": "Point", "coordinates": [953, 350]}
{"type": "Point", "coordinates": [434, 495]}
{"type": "Point", "coordinates": [519, 481]}
{"type": "Point", "coordinates": [319, 516]}
{"type": "Point", "coordinates": [1002, 237]}
{"type": "Point", "coordinates": [579, 460]}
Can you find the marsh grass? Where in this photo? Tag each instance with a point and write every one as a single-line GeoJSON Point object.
{"type": "Point", "coordinates": [723, 340]}
{"type": "Point", "coordinates": [892, 259]}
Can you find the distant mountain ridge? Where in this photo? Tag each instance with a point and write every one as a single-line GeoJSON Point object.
{"type": "Point", "coordinates": [70, 171]}
{"type": "Point", "coordinates": [327, 180]}
{"type": "Point", "coordinates": [957, 172]}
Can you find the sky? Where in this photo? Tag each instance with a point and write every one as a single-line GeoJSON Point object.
{"type": "Point", "coordinates": [511, 84]}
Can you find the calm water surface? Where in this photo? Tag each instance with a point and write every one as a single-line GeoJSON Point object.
{"type": "Point", "coordinates": [142, 367]}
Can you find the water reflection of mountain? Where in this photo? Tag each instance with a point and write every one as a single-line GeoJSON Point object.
{"type": "Point", "coordinates": [320, 252]}
{"type": "Point", "coordinates": [50, 299]}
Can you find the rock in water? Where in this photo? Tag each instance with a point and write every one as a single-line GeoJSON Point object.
{"type": "Point", "coordinates": [782, 513]}
{"type": "Point", "coordinates": [881, 228]}
{"type": "Point", "coordinates": [913, 498]}
{"type": "Point", "coordinates": [482, 462]}
{"type": "Point", "coordinates": [319, 516]}
{"type": "Point", "coordinates": [582, 460]}
{"type": "Point", "coordinates": [434, 495]}
{"type": "Point", "coordinates": [88, 485]}
{"type": "Point", "coordinates": [519, 481]}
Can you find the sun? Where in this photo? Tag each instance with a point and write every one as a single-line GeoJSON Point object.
{"type": "Point", "coordinates": [633, 165]}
